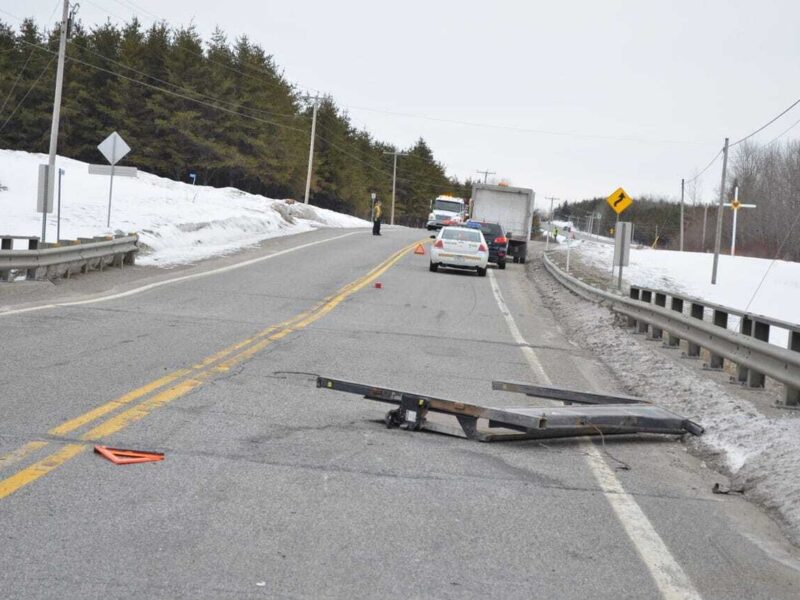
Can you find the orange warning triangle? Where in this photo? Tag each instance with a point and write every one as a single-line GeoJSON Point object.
{"type": "Point", "coordinates": [120, 456]}
{"type": "Point", "coordinates": [419, 249]}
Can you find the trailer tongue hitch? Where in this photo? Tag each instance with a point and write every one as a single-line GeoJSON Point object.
{"type": "Point", "coordinates": [598, 414]}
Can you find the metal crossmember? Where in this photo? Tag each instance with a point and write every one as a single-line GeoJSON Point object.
{"type": "Point", "coordinates": [604, 415]}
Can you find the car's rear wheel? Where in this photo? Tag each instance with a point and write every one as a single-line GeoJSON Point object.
{"type": "Point", "coordinates": [434, 267]}
{"type": "Point", "coordinates": [481, 272]}
{"type": "Point", "coordinates": [501, 264]}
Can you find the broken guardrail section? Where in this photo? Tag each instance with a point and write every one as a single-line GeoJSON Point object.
{"type": "Point", "coordinates": [597, 414]}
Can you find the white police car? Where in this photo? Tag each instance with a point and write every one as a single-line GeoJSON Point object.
{"type": "Point", "coordinates": [460, 248]}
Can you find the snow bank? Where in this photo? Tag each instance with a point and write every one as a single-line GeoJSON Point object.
{"type": "Point", "coordinates": [178, 222]}
{"type": "Point", "coordinates": [739, 279]}
{"type": "Point", "coordinates": [758, 452]}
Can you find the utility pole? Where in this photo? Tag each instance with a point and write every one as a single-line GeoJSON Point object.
{"type": "Point", "coordinates": [682, 194]}
{"type": "Point", "coordinates": [394, 181]}
{"type": "Point", "coordinates": [718, 235]}
{"type": "Point", "coordinates": [51, 165]}
{"type": "Point", "coordinates": [486, 175]}
{"type": "Point", "coordinates": [311, 147]}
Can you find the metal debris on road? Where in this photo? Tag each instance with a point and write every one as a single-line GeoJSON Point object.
{"type": "Point", "coordinates": [605, 415]}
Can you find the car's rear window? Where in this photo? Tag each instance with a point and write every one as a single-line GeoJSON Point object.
{"type": "Point", "coordinates": [491, 229]}
{"type": "Point", "coordinates": [464, 235]}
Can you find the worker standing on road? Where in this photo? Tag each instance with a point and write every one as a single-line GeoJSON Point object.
{"type": "Point", "coordinates": [376, 218]}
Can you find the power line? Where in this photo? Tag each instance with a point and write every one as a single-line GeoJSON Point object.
{"type": "Point", "coordinates": [224, 109]}
{"type": "Point", "coordinates": [260, 70]}
{"type": "Point", "coordinates": [170, 92]}
{"type": "Point", "coordinates": [16, 81]}
{"type": "Point", "coordinates": [182, 88]}
{"type": "Point", "coordinates": [706, 168]}
{"type": "Point", "coordinates": [526, 129]}
{"type": "Point", "coordinates": [777, 137]}
{"type": "Point", "coordinates": [35, 83]}
{"type": "Point", "coordinates": [770, 122]}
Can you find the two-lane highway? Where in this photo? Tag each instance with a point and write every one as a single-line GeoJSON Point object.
{"type": "Point", "coordinates": [273, 488]}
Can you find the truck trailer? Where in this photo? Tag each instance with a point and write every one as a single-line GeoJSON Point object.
{"type": "Point", "coordinates": [511, 207]}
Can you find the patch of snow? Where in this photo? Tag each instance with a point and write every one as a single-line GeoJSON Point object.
{"type": "Point", "coordinates": [178, 222]}
{"type": "Point", "coordinates": [755, 285]}
{"type": "Point", "coordinates": [759, 452]}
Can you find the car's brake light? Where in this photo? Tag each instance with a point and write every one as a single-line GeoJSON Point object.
{"type": "Point", "coordinates": [500, 240]}
{"type": "Point", "coordinates": [482, 248]}
{"type": "Point", "coordinates": [439, 244]}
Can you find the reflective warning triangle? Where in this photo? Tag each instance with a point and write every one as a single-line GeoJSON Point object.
{"type": "Point", "coordinates": [419, 249]}
{"type": "Point", "coordinates": [120, 456]}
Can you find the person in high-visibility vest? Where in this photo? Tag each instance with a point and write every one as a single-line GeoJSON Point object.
{"type": "Point", "coordinates": [376, 218]}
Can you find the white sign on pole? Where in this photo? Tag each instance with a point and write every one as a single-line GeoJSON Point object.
{"type": "Point", "coordinates": [114, 148]}
{"type": "Point", "coordinates": [623, 232]}
{"type": "Point", "coordinates": [118, 171]}
{"type": "Point", "coordinates": [41, 191]}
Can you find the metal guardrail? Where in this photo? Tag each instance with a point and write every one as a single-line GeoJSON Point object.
{"type": "Point", "coordinates": [653, 312]}
{"type": "Point", "coordinates": [48, 261]}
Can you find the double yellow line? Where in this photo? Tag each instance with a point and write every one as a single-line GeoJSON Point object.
{"type": "Point", "coordinates": [184, 380]}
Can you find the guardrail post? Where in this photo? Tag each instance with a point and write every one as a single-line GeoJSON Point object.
{"type": "Point", "coordinates": [33, 244]}
{"type": "Point", "coordinates": [697, 311]}
{"type": "Point", "coordinates": [660, 299]}
{"type": "Point", "coordinates": [720, 320]}
{"type": "Point", "coordinates": [6, 244]}
{"type": "Point", "coordinates": [634, 294]}
{"type": "Point", "coordinates": [745, 328]}
{"type": "Point", "coordinates": [792, 395]}
{"type": "Point", "coordinates": [644, 296]}
{"type": "Point", "coordinates": [676, 304]}
{"type": "Point", "coordinates": [760, 332]}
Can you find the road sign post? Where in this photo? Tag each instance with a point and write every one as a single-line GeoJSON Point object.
{"type": "Point", "coordinates": [114, 149]}
{"type": "Point", "coordinates": [622, 247]}
{"type": "Point", "coordinates": [618, 201]}
{"type": "Point", "coordinates": [44, 202]}
{"type": "Point", "coordinates": [58, 221]}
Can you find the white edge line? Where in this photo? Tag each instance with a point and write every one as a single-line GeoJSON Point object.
{"type": "Point", "coordinates": [158, 284]}
{"type": "Point", "coordinates": [669, 577]}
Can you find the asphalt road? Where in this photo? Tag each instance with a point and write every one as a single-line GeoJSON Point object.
{"type": "Point", "coordinates": [272, 488]}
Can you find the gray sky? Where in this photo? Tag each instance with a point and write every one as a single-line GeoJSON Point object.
{"type": "Point", "coordinates": [566, 85]}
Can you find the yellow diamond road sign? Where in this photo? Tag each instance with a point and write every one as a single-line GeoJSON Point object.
{"type": "Point", "coordinates": [619, 200]}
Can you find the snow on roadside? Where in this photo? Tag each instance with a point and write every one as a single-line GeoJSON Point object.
{"type": "Point", "coordinates": [178, 222]}
{"type": "Point", "coordinates": [739, 279]}
{"type": "Point", "coordinates": [758, 452]}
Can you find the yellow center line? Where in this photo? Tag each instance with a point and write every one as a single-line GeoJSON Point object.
{"type": "Point", "coordinates": [17, 455]}
{"type": "Point", "coordinates": [40, 469]}
{"type": "Point", "coordinates": [201, 371]}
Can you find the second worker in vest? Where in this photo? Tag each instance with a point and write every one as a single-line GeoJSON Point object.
{"type": "Point", "coordinates": [376, 218]}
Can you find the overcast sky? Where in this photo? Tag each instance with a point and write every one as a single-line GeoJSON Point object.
{"type": "Point", "coordinates": [571, 98]}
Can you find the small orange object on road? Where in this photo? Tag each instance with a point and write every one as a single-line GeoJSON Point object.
{"type": "Point", "coordinates": [120, 456]}
{"type": "Point", "coordinates": [420, 249]}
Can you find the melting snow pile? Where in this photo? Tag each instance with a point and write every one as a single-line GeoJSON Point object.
{"type": "Point", "coordinates": [178, 222]}
{"type": "Point", "coordinates": [755, 285]}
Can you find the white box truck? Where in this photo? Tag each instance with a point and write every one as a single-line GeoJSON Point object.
{"type": "Point", "coordinates": [512, 207]}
